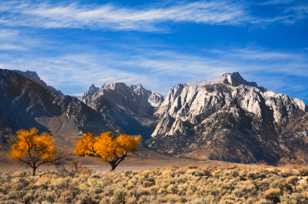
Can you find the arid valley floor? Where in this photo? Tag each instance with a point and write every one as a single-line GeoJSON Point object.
{"type": "Point", "coordinates": [160, 180]}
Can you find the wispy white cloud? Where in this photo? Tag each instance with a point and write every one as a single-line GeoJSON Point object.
{"type": "Point", "coordinates": [298, 11]}
{"type": "Point", "coordinates": [150, 18]}
{"type": "Point", "coordinates": [14, 40]}
{"type": "Point", "coordinates": [260, 55]}
{"type": "Point", "coordinates": [159, 69]}
{"type": "Point", "coordinates": [282, 69]}
{"type": "Point", "coordinates": [276, 2]}
{"type": "Point", "coordinates": [209, 63]}
{"type": "Point", "coordinates": [290, 12]}
{"type": "Point", "coordinates": [120, 18]}
{"type": "Point", "coordinates": [8, 40]}
{"type": "Point", "coordinates": [73, 73]}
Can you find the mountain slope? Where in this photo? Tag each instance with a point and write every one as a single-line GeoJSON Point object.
{"type": "Point", "coordinates": [131, 107]}
{"type": "Point", "coordinates": [29, 103]}
{"type": "Point", "coordinates": [227, 119]}
{"type": "Point", "coordinates": [295, 138]}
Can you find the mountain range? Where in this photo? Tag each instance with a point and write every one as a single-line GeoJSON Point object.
{"type": "Point", "coordinates": [227, 119]}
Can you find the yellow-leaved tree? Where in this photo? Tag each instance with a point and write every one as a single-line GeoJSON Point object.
{"type": "Point", "coordinates": [111, 149]}
{"type": "Point", "coordinates": [33, 149]}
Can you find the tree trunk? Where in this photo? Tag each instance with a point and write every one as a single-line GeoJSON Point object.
{"type": "Point", "coordinates": [113, 166]}
{"type": "Point", "coordinates": [116, 162]}
{"type": "Point", "coordinates": [34, 171]}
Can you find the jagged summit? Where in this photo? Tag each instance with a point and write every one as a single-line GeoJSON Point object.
{"type": "Point", "coordinates": [36, 78]}
{"type": "Point", "coordinates": [235, 79]}
{"type": "Point", "coordinates": [120, 88]}
{"type": "Point", "coordinates": [132, 105]}
{"type": "Point", "coordinates": [230, 78]}
{"type": "Point", "coordinates": [139, 89]}
{"type": "Point", "coordinates": [114, 86]}
{"type": "Point", "coordinates": [31, 75]}
{"type": "Point", "coordinates": [92, 89]}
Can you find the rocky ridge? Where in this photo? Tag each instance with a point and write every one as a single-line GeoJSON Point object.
{"type": "Point", "coordinates": [28, 102]}
{"type": "Point", "coordinates": [131, 106]}
{"type": "Point", "coordinates": [227, 119]}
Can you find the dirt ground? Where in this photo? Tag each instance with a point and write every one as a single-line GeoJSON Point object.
{"type": "Point", "coordinates": [133, 162]}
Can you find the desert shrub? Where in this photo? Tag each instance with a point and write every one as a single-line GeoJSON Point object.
{"type": "Point", "coordinates": [119, 197]}
{"type": "Point", "coordinates": [273, 194]}
{"type": "Point", "coordinates": [86, 199]}
{"type": "Point", "coordinates": [183, 185]}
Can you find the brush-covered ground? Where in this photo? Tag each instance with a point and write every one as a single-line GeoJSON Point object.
{"type": "Point", "coordinates": [208, 182]}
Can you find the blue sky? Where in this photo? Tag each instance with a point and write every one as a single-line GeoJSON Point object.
{"type": "Point", "coordinates": [73, 44]}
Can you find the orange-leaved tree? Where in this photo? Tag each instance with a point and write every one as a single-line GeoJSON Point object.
{"type": "Point", "coordinates": [33, 149]}
{"type": "Point", "coordinates": [111, 149]}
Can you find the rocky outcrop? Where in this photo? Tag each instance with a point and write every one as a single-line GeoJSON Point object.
{"type": "Point", "coordinates": [155, 99]}
{"type": "Point", "coordinates": [294, 140]}
{"type": "Point", "coordinates": [131, 107]}
{"type": "Point", "coordinates": [226, 119]}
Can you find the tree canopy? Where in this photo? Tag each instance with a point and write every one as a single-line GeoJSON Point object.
{"type": "Point", "coordinates": [33, 148]}
{"type": "Point", "coordinates": [111, 149]}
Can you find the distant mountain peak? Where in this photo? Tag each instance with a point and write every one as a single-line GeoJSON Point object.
{"type": "Point", "coordinates": [123, 90]}
{"type": "Point", "coordinates": [139, 89]}
{"type": "Point", "coordinates": [121, 86]}
{"type": "Point", "coordinates": [114, 86]}
{"type": "Point", "coordinates": [33, 76]}
{"type": "Point", "coordinates": [92, 89]}
{"type": "Point", "coordinates": [132, 105]}
{"type": "Point", "coordinates": [235, 79]}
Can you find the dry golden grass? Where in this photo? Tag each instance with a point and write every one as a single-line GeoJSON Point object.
{"type": "Point", "coordinates": [191, 184]}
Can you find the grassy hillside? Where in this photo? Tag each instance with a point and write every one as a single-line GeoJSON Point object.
{"type": "Point", "coordinates": [207, 184]}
